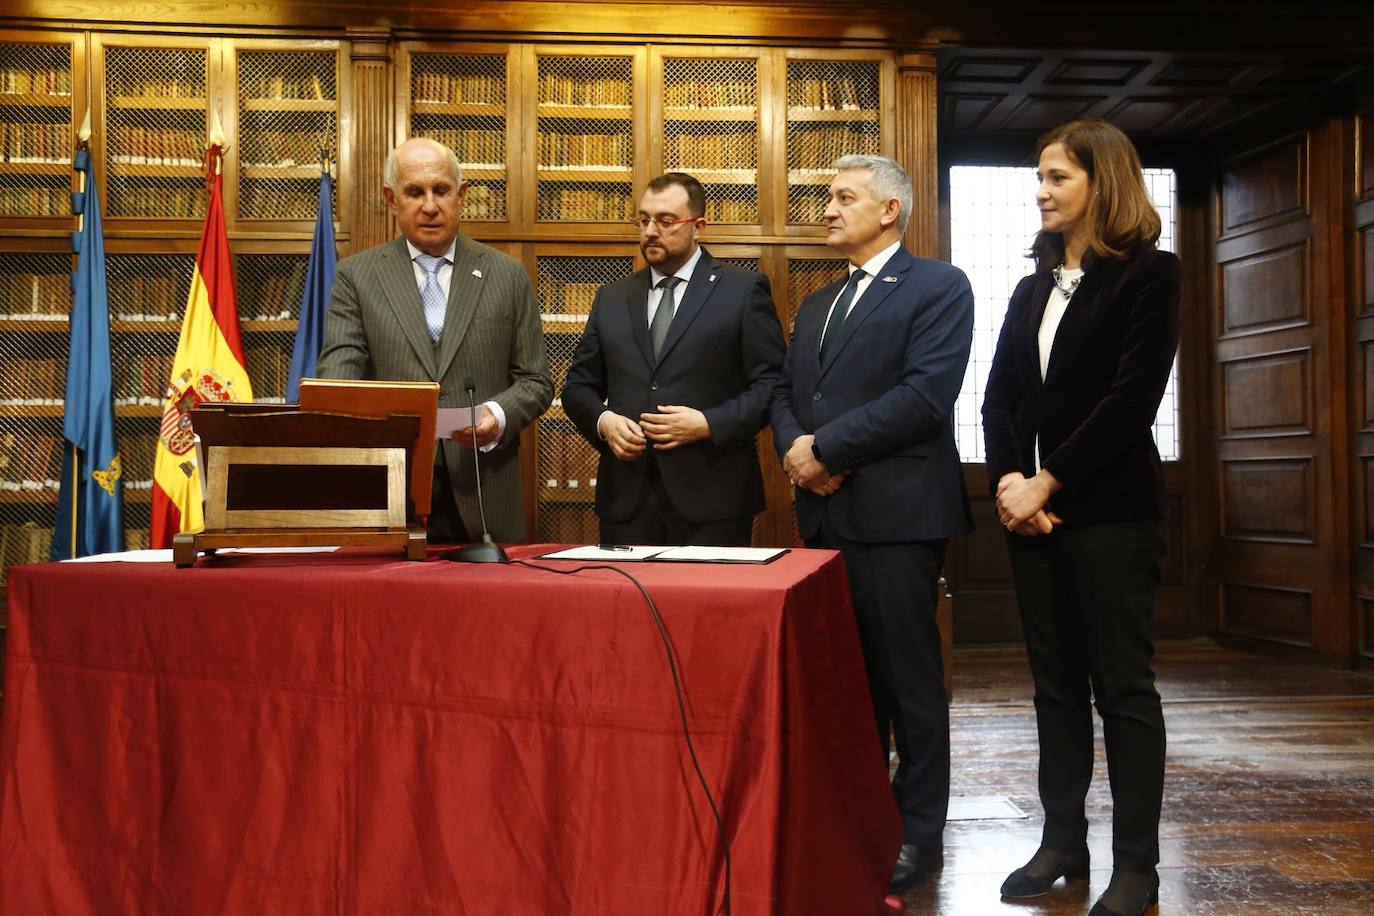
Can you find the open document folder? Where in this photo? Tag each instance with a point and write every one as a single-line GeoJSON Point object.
{"type": "Point", "coordinates": [627, 553]}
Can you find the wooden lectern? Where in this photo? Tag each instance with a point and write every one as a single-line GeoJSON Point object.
{"type": "Point", "coordinates": [352, 464]}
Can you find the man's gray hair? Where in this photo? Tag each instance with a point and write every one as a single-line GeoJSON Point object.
{"type": "Point", "coordinates": [888, 180]}
{"type": "Point", "coordinates": [389, 176]}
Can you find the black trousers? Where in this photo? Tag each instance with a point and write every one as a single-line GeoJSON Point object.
{"type": "Point", "coordinates": [895, 589]}
{"type": "Point", "coordinates": [445, 524]}
{"type": "Point", "coordinates": [657, 522]}
{"type": "Point", "coordinates": [1086, 597]}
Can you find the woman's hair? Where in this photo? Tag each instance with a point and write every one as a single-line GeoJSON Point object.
{"type": "Point", "coordinates": [1120, 219]}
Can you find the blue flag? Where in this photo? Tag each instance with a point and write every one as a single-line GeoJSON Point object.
{"type": "Point", "coordinates": [90, 517]}
{"type": "Point", "coordinates": [319, 281]}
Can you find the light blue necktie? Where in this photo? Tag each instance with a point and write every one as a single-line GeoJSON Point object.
{"type": "Point", "coordinates": [432, 294]}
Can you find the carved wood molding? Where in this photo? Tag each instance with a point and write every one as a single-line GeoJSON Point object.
{"type": "Point", "coordinates": [373, 116]}
{"type": "Point", "coordinates": [917, 114]}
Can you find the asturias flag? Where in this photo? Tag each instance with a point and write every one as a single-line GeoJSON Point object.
{"type": "Point", "coordinates": [90, 515]}
{"type": "Point", "coordinates": [319, 280]}
{"type": "Point", "coordinates": [209, 366]}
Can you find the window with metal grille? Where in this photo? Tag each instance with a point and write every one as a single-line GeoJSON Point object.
{"type": "Point", "coordinates": [36, 140]}
{"type": "Point", "coordinates": [155, 102]}
{"type": "Point", "coordinates": [459, 100]}
{"type": "Point", "coordinates": [566, 463]}
{"type": "Point", "coordinates": [288, 127]}
{"type": "Point", "coordinates": [833, 110]}
{"type": "Point", "coordinates": [993, 219]}
{"type": "Point", "coordinates": [585, 139]}
{"type": "Point", "coordinates": [710, 131]}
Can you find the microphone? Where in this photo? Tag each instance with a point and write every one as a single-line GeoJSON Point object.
{"type": "Point", "coordinates": [485, 550]}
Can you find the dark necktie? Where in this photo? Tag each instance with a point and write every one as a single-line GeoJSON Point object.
{"type": "Point", "coordinates": [663, 315]}
{"type": "Point", "coordinates": [840, 312]}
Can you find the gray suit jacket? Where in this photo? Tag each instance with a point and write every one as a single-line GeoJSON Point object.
{"type": "Point", "coordinates": [376, 330]}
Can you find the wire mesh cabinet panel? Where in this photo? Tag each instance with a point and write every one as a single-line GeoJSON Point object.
{"type": "Point", "coordinates": [288, 128]}
{"type": "Point", "coordinates": [155, 102]}
{"type": "Point", "coordinates": [566, 463]}
{"type": "Point", "coordinates": [585, 150]}
{"type": "Point", "coordinates": [834, 107]}
{"type": "Point", "coordinates": [267, 290]}
{"type": "Point", "coordinates": [711, 131]}
{"type": "Point", "coordinates": [35, 303]}
{"type": "Point", "coordinates": [36, 136]}
{"type": "Point", "coordinates": [806, 273]}
{"type": "Point", "coordinates": [461, 100]}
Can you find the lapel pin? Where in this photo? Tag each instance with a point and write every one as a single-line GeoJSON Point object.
{"type": "Point", "coordinates": [711, 279]}
{"type": "Point", "coordinates": [889, 279]}
{"type": "Point", "coordinates": [477, 274]}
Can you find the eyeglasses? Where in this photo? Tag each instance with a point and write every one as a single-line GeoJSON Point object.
{"type": "Point", "coordinates": [664, 222]}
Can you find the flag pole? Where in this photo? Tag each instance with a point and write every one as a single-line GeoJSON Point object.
{"type": "Point", "coordinates": [83, 142]}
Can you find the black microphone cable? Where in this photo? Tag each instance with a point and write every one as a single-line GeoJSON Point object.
{"type": "Point", "coordinates": [677, 690]}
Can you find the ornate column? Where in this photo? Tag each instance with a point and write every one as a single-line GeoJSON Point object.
{"type": "Point", "coordinates": [373, 118]}
{"type": "Point", "coordinates": [917, 113]}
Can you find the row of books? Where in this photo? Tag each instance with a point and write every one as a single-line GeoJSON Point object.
{"type": "Point", "coordinates": [30, 462]}
{"type": "Point", "coordinates": [839, 93]}
{"type": "Point", "coordinates": [569, 524]}
{"type": "Point", "coordinates": [481, 148]}
{"type": "Point", "coordinates": [273, 297]}
{"type": "Point", "coordinates": [37, 200]}
{"type": "Point", "coordinates": [27, 295]}
{"type": "Point", "coordinates": [146, 297]}
{"type": "Point", "coordinates": [707, 94]}
{"type": "Point", "coordinates": [181, 201]}
{"type": "Point", "coordinates": [566, 297]}
{"type": "Point", "coordinates": [567, 461]}
{"type": "Point", "coordinates": [467, 88]}
{"type": "Point", "coordinates": [486, 201]}
{"type": "Point", "coordinates": [54, 81]}
{"type": "Point", "coordinates": [598, 151]}
{"type": "Point", "coordinates": [21, 544]}
{"type": "Point", "coordinates": [132, 144]}
{"type": "Point", "coordinates": [583, 204]}
{"type": "Point", "coordinates": [267, 199]}
{"type": "Point", "coordinates": [35, 142]}
{"type": "Point", "coordinates": [712, 151]}
{"type": "Point", "coordinates": [557, 89]}
{"type": "Point", "coordinates": [138, 83]}
{"type": "Point", "coordinates": [280, 86]}
{"type": "Point", "coordinates": [285, 148]}
{"type": "Point", "coordinates": [30, 381]}
{"type": "Point", "coordinates": [140, 379]}
{"type": "Point", "coordinates": [269, 367]}
{"type": "Point", "coordinates": [819, 145]}
{"type": "Point", "coordinates": [730, 210]}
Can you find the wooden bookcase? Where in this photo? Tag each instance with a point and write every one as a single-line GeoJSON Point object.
{"type": "Point", "coordinates": [556, 142]}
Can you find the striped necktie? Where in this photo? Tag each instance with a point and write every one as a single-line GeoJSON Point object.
{"type": "Point", "coordinates": [432, 294]}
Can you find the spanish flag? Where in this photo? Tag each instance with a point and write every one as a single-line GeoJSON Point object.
{"type": "Point", "coordinates": [209, 366]}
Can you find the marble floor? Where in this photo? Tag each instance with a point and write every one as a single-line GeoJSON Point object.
{"type": "Point", "coordinates": [1269, 795]}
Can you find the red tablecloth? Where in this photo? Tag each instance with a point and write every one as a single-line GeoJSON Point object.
{"type": "Point", "coordinates": [301, 734]}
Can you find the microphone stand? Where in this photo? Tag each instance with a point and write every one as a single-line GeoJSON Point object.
{"type": "Point", "coordinates": [485, 550]}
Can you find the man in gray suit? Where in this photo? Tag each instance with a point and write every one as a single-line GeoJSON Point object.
{"type": "Point", "coordinates": [434, 306]}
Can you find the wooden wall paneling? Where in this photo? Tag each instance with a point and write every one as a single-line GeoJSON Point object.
{"type": "Point", "coordinates": [1361, 389]}
{"type": "Point", "coordinates": [1279, 399]}
{"type": "Point", "coordinates": [915, 143]}
{"type": "Point", "coordinates": [371, 125]}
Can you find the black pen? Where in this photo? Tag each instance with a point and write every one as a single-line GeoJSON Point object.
{"type": "Point", "coordinates": [613, 547]}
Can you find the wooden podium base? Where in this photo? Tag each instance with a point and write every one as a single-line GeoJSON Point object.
{"type": "Point", "coordinates": [186, 547]}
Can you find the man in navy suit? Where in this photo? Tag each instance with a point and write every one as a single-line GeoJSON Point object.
{"type": "Point", "coordinates": [671, 382]}
{"type": "Point", "coordinates": [862, 421]}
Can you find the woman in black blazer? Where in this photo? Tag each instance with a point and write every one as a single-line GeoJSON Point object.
{"type": "Point", "coordinates": [1081, 364]}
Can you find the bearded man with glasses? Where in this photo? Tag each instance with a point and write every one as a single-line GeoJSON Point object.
{"type": "Point", "coordinates": [671, 383]}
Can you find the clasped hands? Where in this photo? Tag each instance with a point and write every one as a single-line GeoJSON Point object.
{"type": "Point", "coordinates": [1021, 503]}
{"type": "Point", "coordinates": [806, 471]}
{"type": "Point", "coordinates": [672, 426]}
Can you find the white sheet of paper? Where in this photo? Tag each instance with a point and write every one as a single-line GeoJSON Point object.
{"type": "Point", "coordinates": [621, 552]}
{"type": "Point", "coordinates": [127, 556]}
{"type": "Point", "coordinates": [450, 420]}
{"type": "Point", "coordinates": [721, 554]}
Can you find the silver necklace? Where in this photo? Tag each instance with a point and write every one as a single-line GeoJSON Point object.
{"type": "Point", "coordinates": [1066, 291]}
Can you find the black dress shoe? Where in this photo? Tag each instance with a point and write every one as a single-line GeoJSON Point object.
{"type": "Point", "coordinates": [1130, 893]}
{"type": "Point", "coordinates": [1047, 866]}
{"type": "Point", "coordinates": [914, 863]}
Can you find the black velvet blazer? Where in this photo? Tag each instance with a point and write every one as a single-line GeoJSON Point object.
{"type": "Point", "coordinates": [1094, 410]}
